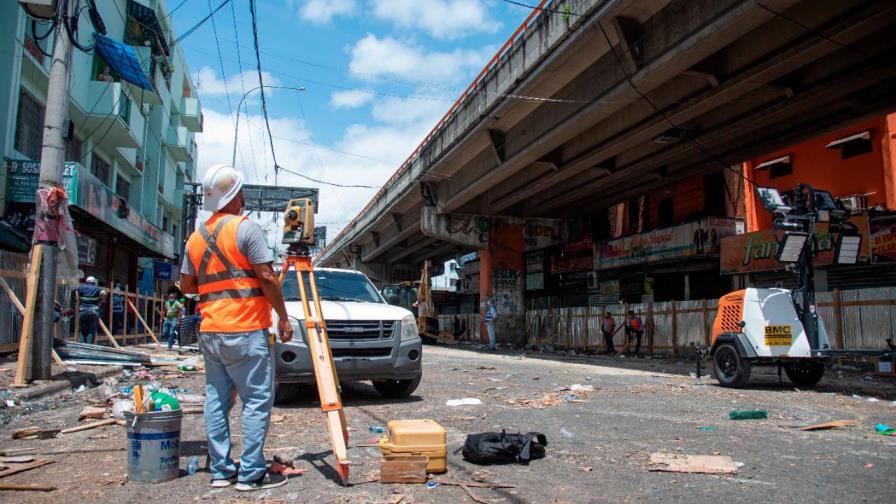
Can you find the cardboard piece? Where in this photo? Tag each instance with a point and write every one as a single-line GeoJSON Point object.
{"type": "Point", "coordinates": [829, 425]}
{"type": "Point", "coordinates": [707, 464]}
{"type": "Point", "coordinates": [403, 469]}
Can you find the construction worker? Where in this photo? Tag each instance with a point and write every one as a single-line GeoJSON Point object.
{"type": "Point", "coordinates": [90, 297]}
{"type": "Point", "coordinates": [608, 328]}
{"type": "Point", "coordinates": [173, 309]}
{"type": "Point", "coordinates": [491, 315]}
{"type": "Point", "coordinates": [634, 327]}
{"type": "Point", "coordinates": [117, 308]}
{"type": "Point", "coordinates": [229, 264]}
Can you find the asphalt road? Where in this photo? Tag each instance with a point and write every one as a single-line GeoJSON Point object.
{"type": "Point", "coordinates": [639, 407]}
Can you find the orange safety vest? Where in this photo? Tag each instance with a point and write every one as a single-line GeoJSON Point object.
{"type": "Point", "coordinates": [230, 296]}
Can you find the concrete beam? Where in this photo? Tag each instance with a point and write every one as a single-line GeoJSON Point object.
{"type": "Point", "coordinates": [668, 61]}
{"type": "Point", "coordinates": [811, 48]}
{"type": "Point", "coordinates": [412, 229]}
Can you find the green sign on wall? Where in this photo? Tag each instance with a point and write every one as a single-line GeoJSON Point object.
{"type": "Point", "coordinates": [22, 177]}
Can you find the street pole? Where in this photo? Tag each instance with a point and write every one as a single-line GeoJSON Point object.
{"type": "Point", "coordinates": [239, 106]}
{"type": "Point", "coordinates": [52, 159]}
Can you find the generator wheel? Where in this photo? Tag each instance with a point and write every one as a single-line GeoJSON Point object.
{"type": "Point", "coordinates": [730, 369]}
{"type": "Point", "coordinates": [804, 374]}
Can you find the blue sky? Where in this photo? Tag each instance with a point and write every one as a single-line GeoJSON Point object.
{"type": "Point", "coordinates": [378, 76]}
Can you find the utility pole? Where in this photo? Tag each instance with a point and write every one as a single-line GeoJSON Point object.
{"type": "Point", "coordinates": [52, 161]}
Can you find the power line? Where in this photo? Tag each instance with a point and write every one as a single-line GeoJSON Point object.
{"type": "Point", "coordinates": [239, 63]}
{"type": "Point", "coordinates": [324, 182]}
{"type": "Point", "coordinates": [221, 60]}
{"type": "Point", "coordinates": [565, 11]}
{"type": "Point", "coordinates": [200, 23]}
{"type": "Point", "coordinates": [175, 9]}
{"type": "Point", "coordinates": [264, 106]}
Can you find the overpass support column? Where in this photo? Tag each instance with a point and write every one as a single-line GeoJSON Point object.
{"type": "Point", "coordinates": [501, 270]}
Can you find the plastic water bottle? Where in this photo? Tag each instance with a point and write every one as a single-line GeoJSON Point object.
{"type": "Point", "coordinates": [376, 429]}
{"type": "Point", "coordinates": [193, 465]}
{"type": "Point", "coordinates": [566, 433]}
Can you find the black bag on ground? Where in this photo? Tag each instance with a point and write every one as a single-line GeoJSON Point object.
{"type": "Point", "coordinates": [503, 448]}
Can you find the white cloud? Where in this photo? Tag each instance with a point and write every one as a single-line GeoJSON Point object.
{"type": "Point", "coordinates": [350, 99]}
{"type": "Point", "coordinates": [443, 19]}
{"type": "Point", "coordinates": [373, 56]}
{"type": "Point", "coordinates": [323, 11]}
{"type": "Point", "coordinates": [209, 84]}
{"type": "Point", "coordinates": [295, 151]}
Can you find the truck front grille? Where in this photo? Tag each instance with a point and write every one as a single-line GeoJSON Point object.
{"type": "Point", "coordinates": [357, 330]}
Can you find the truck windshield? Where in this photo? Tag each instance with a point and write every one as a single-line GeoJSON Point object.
{"type": "Point", "coordinates": [333, 286]}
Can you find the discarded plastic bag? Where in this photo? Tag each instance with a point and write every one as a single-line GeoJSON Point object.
{"type": "Point", "coordinates": [121, 406]}
{"type": "Point", "coordinates": [467, 401]}
{"type": "Point", "coordinates": [503, 448]}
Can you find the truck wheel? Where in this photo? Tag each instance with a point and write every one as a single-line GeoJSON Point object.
{"type": "Point", "coordinates": [285, 393]}
{"type": "Point", "coordinates": [804, 374]}
{"type": "Point", "coordinates": [396, 389]}
{"type": "Point", "coordinates": [730, 369]}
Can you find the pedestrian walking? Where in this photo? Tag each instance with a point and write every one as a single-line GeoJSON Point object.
{"type": "Point", "coordinates": [491, 315]}
{"type": "Point", "coordinates": [173, 309]}
{"type": "Point", "coordinates": [634, 327]}
{"type": "Point", "coordinates": [229, 264]}
{"type": "Point", "coordinates": [90, 297]}
{"type": "Point", "coordinates": [608, 328]}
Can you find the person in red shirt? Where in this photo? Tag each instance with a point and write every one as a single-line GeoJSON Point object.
{"type": "Point", "coordinates": [634, 327]}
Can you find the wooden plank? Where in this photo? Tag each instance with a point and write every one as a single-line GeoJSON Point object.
{"type": "Point", "coordinates": [140, 318]}
{"type": "Point", "coordinates": [28, 317]}
{"type": "Point", "coordinates": [13, 274]}
{"type": "Point", "coordinates": [24, 467]}
{"type": "Point", "coordinates": [107, 333]}
{"type": "Point", "coordinates": [674, 328]}
{"type": "Point", "coordinates": [92, 425]}
{"type": "Point", "coordinates": [33, 487]}
{"type": "Point", "coordinates": [407, 469]}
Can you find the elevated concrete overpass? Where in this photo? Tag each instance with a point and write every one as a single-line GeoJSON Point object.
{"type": "Point", "coordinates": [580, 112]}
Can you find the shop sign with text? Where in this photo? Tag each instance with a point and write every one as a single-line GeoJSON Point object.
{"type": "Point", "coordinates": [756, 251]}
{"type": "Point", "coordinates": [692, 239]}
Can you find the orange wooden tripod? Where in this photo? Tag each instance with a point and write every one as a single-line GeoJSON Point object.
{"type": "Point", "coordinates": [322, 357]}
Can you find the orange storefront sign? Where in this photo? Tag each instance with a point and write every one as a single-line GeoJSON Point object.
{"type": "Point", "coordinates": [756, 251]}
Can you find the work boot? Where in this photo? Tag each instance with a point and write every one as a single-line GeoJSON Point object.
{"type": "Point", "coordinates": [223, 483]}
{"type": "Point", "coordinates": [269, 480]}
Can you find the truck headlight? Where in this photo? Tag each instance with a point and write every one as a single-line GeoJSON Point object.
{"type": "Point", "coordinates": [408, 328]}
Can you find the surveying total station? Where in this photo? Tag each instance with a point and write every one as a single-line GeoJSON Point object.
{"type": "Point", "coordinates": [781, 327]}
{"type": "Point", "coordinates": [298, 234]}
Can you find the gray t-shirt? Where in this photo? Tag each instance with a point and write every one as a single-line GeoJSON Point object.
{"type": "Point", "coordinates": [250, 240]}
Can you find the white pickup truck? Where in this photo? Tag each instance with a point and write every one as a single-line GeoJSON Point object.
{"type": "Point", "coordinates": [370, 339]}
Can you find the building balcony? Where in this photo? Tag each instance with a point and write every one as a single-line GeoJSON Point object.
{"type": "Point", "coordinates": [191, 114]}
{"type": "Point", "coordinates": [177, 143]}
{"type": "Point", "coordinates": [143, 96]}
{"type": "Point", "coordinates": [111, 115]}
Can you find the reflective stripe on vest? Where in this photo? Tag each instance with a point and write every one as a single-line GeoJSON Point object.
{"type": "Point", "coordinates": [230, 295]}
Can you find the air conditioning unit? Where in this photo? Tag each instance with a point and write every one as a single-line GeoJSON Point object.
{"type": "Point", "coordinates": [39, 8]}
{"type": "Point", "coordinates": [593, 284]}
{"type": "Point", "coordinates": [857, 203]}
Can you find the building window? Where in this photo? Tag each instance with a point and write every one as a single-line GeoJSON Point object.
{"type": "Point", "coordinates": [852, 145]}
{"type": "Point", "coordinates": [100, 169]}
{"type": "Point", "coordinates": [780, 170]}
{"type": "Point", "coordinates": [174, 231]}
{"type": "Point", "coordinates": [122, 187]}
{"type": "Point", "coordinates": [29, 126]}
{"type": "Point", "coordinates": [73, 150]}
{"type": "Point", "coordinates": [165, 223]}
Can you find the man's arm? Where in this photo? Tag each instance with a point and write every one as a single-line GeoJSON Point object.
{"type": "Point", "coordinates": [189, 284]}
{"type": "Point", "coordinates": [270, 286]}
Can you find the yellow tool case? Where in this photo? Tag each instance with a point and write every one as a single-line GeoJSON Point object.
{"type": "Point", "coordinates": [417, 437]}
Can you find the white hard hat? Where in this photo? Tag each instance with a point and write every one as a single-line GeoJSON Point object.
{"type": "Point", "coordinates": [91, 280]}
{"type": "Point", "coordinates": [220, 184]}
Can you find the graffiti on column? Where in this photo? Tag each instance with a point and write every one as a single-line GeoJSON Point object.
{"type": "Point", "coordinates": [508, 291]}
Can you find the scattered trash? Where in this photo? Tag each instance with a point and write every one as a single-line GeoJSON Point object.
{"type": "Point", "coordinates": [193, 465]}
{"type": "Point", "coordinates": [869, 466]}
{"type": "Point", "coordinates": [376, 429]}
{"type": "Point", "coordinates": [587, 378]}
{"type": "Point", "coordinates": [431, 484]}
{"type": "Point", "coordinates": [467, 401]}
{"type": "Point", "coordinates": [277, 418]}
{"type": "Point", "coordinates": [109, 388]}
{"type": "Point", "coordinates": [829, 425]}
{"type": "Point", "coordinates": [92, 413]}
{"type": "Point", "coordinates": [873, 399]}
{"type": "Point", "coordinates": [82, 388]}
{"type": "Point", "coordinates": [10, 403]}
{"type": "Point", "coordinates": [572, 398]}
{"type": "Point", "coordinates": [566, 433]}
{"type": "Point", "coordinates": [698, 380]}
{"type": "Point", "coordinates": [707, 428]}
{"type": "Point", "coordinates": [885, 430]}
{"type": "Point", "coordinates": [748, 415]}
{"type": "Point", "coordinates": [121, 406]}
{"type": "Point", "coordinates": [707, 464]}
{"type": "Point", "coordinates": [163, 402]}
{"type": "Point", "coordinates": [487, 368]}
{"type": "Point", "coordinates": [585, 468]}
{"type": "Point", "coordinates": [190, 398]}
{"type": "Point", "coordinates": [35, 433]}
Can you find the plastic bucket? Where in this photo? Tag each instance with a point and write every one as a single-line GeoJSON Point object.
{"type": "Point", "coordinates": [153, 446]}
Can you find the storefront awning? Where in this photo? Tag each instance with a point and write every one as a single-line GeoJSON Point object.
{"type": "Point", "coordinates": [123, 60]}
